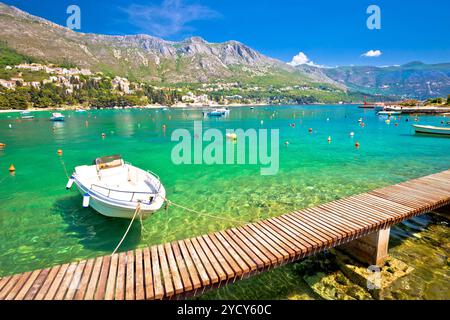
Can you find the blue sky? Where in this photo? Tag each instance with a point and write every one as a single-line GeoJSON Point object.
{"type": "Point", "coordinates": [328, 32]}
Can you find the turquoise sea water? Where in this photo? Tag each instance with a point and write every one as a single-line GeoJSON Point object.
{"type": "Point", "coordinates": [42, 224]}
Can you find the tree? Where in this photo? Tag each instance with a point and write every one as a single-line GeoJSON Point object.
{"type": "Point", "coordinates": [448, 100]}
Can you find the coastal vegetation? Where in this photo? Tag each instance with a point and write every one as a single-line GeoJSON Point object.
{"type": "Point", "coordinates": [90, 93]}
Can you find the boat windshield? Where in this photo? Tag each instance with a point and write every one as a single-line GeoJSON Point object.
{"type": "Point", "coordinates": [108, 162]}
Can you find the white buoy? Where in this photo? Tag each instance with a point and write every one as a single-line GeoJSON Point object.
{"type": "Point", "coordinates": [69, 183]}
{"type": "Point", "coordinates": [86, 198]}
{"type": "Point", "coordinates": [352, 134]}
{"type": "Point", "coordinates": [10, 126]}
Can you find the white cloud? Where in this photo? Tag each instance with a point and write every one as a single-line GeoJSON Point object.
{"type": "Point", "coordinates": [372, 54]}
{"type": "Point", "coordinates": [171, 17]}
{"type": "Point", "coordinates": [300, 59]}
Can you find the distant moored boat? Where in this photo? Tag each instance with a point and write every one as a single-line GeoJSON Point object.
{"type": "Point", "coordinates": [57, 116]}
{"type": "Point", "coordinates": [432, 130]}
{"type": "Point", "coordinates": [26, 115]}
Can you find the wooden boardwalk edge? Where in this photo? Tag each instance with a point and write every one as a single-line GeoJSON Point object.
{"type": "Point", "coordinates": [189, 267]}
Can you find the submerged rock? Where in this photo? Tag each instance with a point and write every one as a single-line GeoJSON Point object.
{"type": "Point", "coordinates": [359, 274]}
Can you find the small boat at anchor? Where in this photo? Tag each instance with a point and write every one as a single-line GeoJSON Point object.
{"type": "Point", "coordinates": [216, 112]}
{"type": "Point", "coordinates": [115, 188]}
{"type": "Point", "coordinates": [389, 113]}
{"type": "Point", "coordinates": [26, 115]}
{"type": "Point", "coordinates": [57, 116]}
{"type": "Point", "coordinates": [421, 129]}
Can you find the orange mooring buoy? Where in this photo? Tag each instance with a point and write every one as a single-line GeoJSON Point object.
{"type": "Point", "coordinates": [357, 144]}
{"type": "Point", "coordinates": [11, 168]}
{"type": "Point", "coordinates": [2, 145]}
{"type": "Point", "coordinates": [60, 152]}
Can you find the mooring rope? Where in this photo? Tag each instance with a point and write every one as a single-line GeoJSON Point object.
{"type": "Point", "coordinates": [169, 202]}
{"type": "Point", "coordinates": [138, 210]}
{"type": "Point", "coordinates": [64, 167]}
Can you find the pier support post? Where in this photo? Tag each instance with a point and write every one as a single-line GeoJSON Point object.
{"type": "Point", "coordinates": [371, 249]}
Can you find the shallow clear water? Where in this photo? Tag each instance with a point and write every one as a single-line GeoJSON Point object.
{"type": "Point", "coordinates": [42, 224]}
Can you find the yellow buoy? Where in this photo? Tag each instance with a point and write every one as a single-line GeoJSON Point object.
{"type": "Point", "coordinates": [2, 145]}
{"type": "Point", "coordinates": [11, 168]}
{"type": "Point", "coordinates": [60, 152]}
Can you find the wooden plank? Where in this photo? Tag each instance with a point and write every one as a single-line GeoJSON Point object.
{"type": "Point", "coordinates": [111, 282]}
{"type": "Point", "coordinates": [197, 263]}
{"type": "Point", "coordinates": [74, 284]}
{"type": "Point", "coordinates": [157, 281]}
{"type": "Point", "coordinates": [4, 281]}
{"type": "Point", "coordinates": [130, 277]}
{"type": "Point", "coordinates": [148, 275]}
{"type": "Point", "coordinates": [258, 244]}
{"type": "Point", "coordinates": [40, 280]}
{"type": "Point", "coordinates": [222, 257]}
{"type": "Point", "coordinates": [337, 221]}
{"type": "Point", "coordinates": [43, 290]}
{"type": "Point", "coordinates": [18, 285]}
{"type": "Point", "coordinates": [140, 283]}
{"type": "Point", "coordinates": [106, 269]}
{"type": "Point", "coordinates": [215, 244]}
{"type": "Point", "coordinates": [219, 239]}
{"type": "Point", "coordinates": [92, 282]}
{"type": "Point", "coordinates": [280, 237]}
{"type": "Point", "coordinates": [307, 240]}
{"type": "Point", "coordinates": [212, 259]}
{"type": "Point", "coordinates": [242, 247]}
{"type": "Point", "coordinates": [182, 268]}
{"type": "Point", "coordinates": [27, 285]}
{"type": "Point", "coordinates": [238, 253]}
{"type": "Point", "coordinates": [271, 246]}
{"type": "Point", "coordinates": [9, 285]}
{"type": "Point", "coordinates": [120, 278]}
{"type": "Point", "coordinates": [64, 286]}
{"type": "Point", "coordinates": [250, 248]}
{"type": "Point", "coordinates": [195, 276]}
{"type": "Point", "coordinates": [205, 261]}
{"type": "Point", "coordinates": [168, 285]}
{"type": "Point", "coordinates": [84, 280]}
{"type": "Point", "coordinates": [50, 295]}
{"type": "Point", "coordinates": [300, 220]}
{"type": "Point", "coordinates": [176, 278]}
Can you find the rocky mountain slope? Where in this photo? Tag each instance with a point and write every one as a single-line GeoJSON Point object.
{"type": "Point", "coordinates": [144, 57]}
{"type": "Point", "coordinates": [412, 80]}
{"type": "Point", "coordinates": [194, 60]}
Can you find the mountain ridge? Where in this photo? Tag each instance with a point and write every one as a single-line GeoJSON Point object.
{"type": "Point", "coordinates": [143, 57]}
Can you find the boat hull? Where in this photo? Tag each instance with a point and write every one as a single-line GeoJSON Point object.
{"type": "Point", "coordinates": [120, 209]}
{"type": "Point", "coordinates": [57, 119]}
{"type": "Point", "coordinates": [432, 130]}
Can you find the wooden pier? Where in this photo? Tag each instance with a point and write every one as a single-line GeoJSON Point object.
{"type": "Point", "coordinates": [189, 267]}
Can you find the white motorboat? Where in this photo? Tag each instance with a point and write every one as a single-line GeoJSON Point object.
{"type": "Point", "coordinates": [115, 188]}
{"type": "Point", "coordinates": [217, 112]}
{"type": "Point", "coordinates": [26, 115]}
{"type": "Point", "coordinates": [57, 116]}
{"type": "Point", "coordinates": [389, 113]}
{"type": "Point", "coordinates": [431, 130]}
